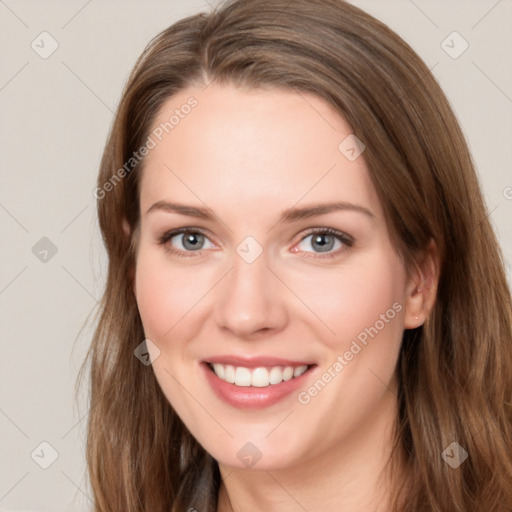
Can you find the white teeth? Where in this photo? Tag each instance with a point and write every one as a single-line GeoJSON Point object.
{"type": "Point", "coordinates": [242, 376]}
{"type": "Point", "coordinates": [219, 370]}
{"type": "Point", "coordinates": [229, 374]}
{"type": "Point", "coordinates": [276, 375]}
{"type": "Point", "coordinates": [257, 377]}
{"type": "Point", "coordinates": [299, 371]}
{"type": "Point", "coordinates": [288, 373]}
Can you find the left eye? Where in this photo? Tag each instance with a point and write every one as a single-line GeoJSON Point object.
{"type": "Point", "coordinates": [190, 241]}
{"type": "Point", "coordinates": [321, 242]}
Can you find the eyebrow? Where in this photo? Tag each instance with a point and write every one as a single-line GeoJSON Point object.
{"type": "Point", "coordinates": [288, 215]}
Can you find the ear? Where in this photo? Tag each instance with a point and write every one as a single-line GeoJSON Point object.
{"type": "Point", "coordinates": [131, 273]}
{"type": "Point", "coordinates": [421, 288]}
{"type": "Point", "coordinates": [126, 227]}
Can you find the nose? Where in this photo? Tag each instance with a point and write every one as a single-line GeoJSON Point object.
{"type": "Point", "coordinates": [251, 300]}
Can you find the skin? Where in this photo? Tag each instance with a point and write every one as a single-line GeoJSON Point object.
{"type": "Point", "coordinates": [248, 155]}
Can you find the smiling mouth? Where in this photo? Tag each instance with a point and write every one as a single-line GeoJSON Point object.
{"type": "Point", "coordinates": [259, 377]}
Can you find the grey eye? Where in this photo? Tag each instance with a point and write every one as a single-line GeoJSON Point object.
{"type": "Point", "coordinates": [189, 241]}
{"type": "Point", "coordinates": [320, 242]}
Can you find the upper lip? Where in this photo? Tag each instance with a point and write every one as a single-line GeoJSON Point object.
{"type": "Point", "coordinates": [255, 362]}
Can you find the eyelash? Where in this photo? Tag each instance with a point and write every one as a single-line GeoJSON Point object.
{"type": "Point", "coordinates": [345, 239]}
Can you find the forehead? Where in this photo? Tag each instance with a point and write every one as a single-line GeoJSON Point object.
{"type": "Point", "coordinates": [252, 149]}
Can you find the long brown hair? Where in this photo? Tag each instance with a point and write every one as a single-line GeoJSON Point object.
{"type": "Point", "coordinates": [455, 372]}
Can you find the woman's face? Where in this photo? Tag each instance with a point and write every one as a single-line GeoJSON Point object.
{"type": "Point", "coordinates": [282, 262]}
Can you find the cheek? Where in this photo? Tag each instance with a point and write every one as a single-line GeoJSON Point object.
{"type": "Point", "coordinates": [351, 299]}
{"type": "Point", "coordinates": [362, 303]}
{"type": "Point", "coordinates": [154, 301]}
{"type": "Point", "coordinates": [165, 294]}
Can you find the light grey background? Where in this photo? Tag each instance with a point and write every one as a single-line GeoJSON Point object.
{"type": "Point", "coordinates": [54, 118]}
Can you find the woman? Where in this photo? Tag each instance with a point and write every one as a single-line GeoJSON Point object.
{"type": "Point", "coordinates": [306, 306]}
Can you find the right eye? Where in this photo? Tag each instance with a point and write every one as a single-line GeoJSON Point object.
{"type": "Point", "coordinates": [185, 240]}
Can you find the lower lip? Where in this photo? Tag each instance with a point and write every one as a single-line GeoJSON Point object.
{"type": "Point", "coordinates": [249, 397]}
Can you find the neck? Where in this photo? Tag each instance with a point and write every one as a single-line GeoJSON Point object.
{"type": "Point", "coordinates": [351, 476]}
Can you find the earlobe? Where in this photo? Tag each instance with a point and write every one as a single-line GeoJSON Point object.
{"type": "Point", "coordinates": [126, 227]}
{"type": "Point", "coordinates": [415, 311]}
{"type": "Point", "coordinates": [131, 272]}
{"type": "Point", "coordinates": [422, 288]}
